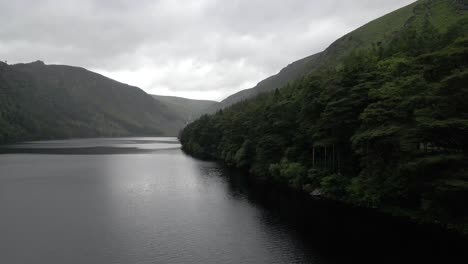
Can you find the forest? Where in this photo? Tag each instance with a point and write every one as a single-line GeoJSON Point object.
{"type": "Point", "coordinates": [387, 128]}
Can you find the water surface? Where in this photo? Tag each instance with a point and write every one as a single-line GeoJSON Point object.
{"type": "Point", "coordinates": [142, 200]}
{"type": "Point", "coordinates": [130, 200]}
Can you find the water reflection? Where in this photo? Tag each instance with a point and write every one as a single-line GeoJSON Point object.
{"type": "Point", "coordinates": [94, 146]}
{"type": "Point", "coordinates": [151, 204]}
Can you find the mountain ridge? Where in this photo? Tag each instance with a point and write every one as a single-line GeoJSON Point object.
{"type": "Point", "coordinates": [330, 57]}
{"type": "Point", "coordinates": [185, 108]}
{"type": "Point", "coordinates": [40, 101]}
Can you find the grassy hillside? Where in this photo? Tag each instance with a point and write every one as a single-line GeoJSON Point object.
{"type": "Point", "coordinates": [383, 127]}
{"type": "Point", "coordinates": [289, 73]}
{"type": "Point", "coordinates": [185, 109]}
{"type": "Point", "coordinates": [442, 14]}
{"type": "Point", "coordinates": [39, 101]}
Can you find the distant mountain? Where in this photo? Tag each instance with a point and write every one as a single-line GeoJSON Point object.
{"type": "Point", "coordinates": [185, 109]}
{"type": "Point", "coordinates": [39, 101]}
{"type": "Point", "coordinates": [362, 38]}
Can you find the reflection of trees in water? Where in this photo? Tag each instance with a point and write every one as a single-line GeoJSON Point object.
{"type": "Point", "coordinates": [337, 228]}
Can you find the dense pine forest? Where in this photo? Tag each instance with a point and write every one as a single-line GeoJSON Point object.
{"type": "Point", "coordinates": [386, 127]}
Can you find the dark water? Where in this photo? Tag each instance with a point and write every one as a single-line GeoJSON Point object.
{"type": "Point", "coordinates": [141, 200]}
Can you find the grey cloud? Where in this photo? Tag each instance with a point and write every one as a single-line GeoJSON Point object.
{"type": "Point", "coordinates": [169, 46]}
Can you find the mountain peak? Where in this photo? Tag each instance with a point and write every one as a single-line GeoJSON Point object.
{"type": "Point", "coordinates": [38, 63]}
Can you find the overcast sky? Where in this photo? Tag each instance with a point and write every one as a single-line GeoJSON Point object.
{"type": "Point", "coordinates": [205, 49]}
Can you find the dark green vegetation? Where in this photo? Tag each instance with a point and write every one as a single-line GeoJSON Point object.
{"type": "Point", "coordinates": [385, 125]}
{"type": "Point", "coordinates": [39, 101]}
{"type": "Point", "coordinates": [185, 109]}
{"type": "Point", "coordinates": [374, 32]}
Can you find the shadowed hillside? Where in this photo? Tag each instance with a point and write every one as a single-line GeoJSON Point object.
{"type": "Point", "coordinates": [185, 109]}
{"type": "Point", "coordinates": [364, 37]}
{"type": "Point", "coordinates": [39, 101]}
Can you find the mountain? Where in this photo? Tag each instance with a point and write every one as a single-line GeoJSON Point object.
{"type": "Point", "coordinates": [384, 126]}
{"type": "Point", "coordinates": [289, 73]}
{"type": "Point", "coordinates": [364, 37]}
{"type": "Point", "coordinates": [39, 101]}
{"type": "Point", "coordinates": [185, 109]}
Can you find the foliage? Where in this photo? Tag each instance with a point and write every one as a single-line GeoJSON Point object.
{"type": "Point", "coordinates": [388, 129]}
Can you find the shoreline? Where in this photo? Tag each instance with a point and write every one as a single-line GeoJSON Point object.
{"type": "Point", "coordinates": [396, 213]}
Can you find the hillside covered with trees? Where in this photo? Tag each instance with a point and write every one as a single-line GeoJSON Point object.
{"type": "Point", "coordinates": [385, 126]}
{"type": "Point", "coordinates": [376, 31]}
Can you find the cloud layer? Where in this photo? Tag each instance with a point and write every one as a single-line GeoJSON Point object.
{"type": "Point", "coordinates": [193, 48]}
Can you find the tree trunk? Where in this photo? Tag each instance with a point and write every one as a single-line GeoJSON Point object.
{"type": "Point", "coordinates": [333, 158]}
{"type": "Point", "coordinates": [326, 164]}
{"type": "Point", "coordinates": [313, 157]}
{"type": "Point", "coordinates": [338, 159]}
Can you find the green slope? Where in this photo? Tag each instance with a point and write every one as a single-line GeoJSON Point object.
{"type": "Point", "coordinates": [39, 101]}
{"type": "Point", "coordinates": [442, 14]}
{"type": "Point", "coordinates": [289, 73]}
{"type": "Point", "coordinates": [383, 127]}
{"type": "Point", "coordinates": [185, 109]}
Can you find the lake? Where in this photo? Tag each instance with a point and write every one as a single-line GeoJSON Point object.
{"type": "Point", "coordinates": [142, 200]}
